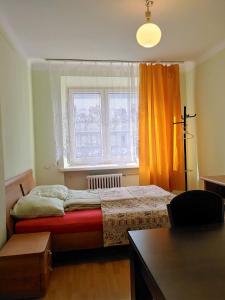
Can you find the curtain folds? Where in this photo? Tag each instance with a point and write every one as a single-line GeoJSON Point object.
{"type": "Point", "coordinates": [161, 157]}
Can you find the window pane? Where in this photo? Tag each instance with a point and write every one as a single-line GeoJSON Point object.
{"type": "Point", "coordinates": [120, 126]}
{"type": "Point", "coordinates": [88, 131]}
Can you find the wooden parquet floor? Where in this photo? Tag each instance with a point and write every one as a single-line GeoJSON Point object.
{"type": "Point", "coordinates": [91, 275]}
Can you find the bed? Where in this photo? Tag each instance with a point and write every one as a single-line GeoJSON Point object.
{"type": "Point", "coordinates": [122, 209]}
{"type": "Point", "coordinates": [62, 240]}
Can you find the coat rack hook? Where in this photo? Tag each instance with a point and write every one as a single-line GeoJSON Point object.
{"type": "Point", "coordinates": [191, 116]}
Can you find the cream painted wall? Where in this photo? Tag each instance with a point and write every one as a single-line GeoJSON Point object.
{"type": "Point", "coordinates": [16, 109]}
{"type": "Point", "coordinates": [2, 194]}
{"type": "Point", "coordinates": [46, 170]}
{"type": "Point", "coordinates": [78, 180]}
{"type": "Point", "coordinates": [210, 107]}
{"type": "Point", "coordinates": [187, 82]}
{"type": "Point", "coordinates": [188, 100]}
{"type": "Point", "coordinates": [16, 121]}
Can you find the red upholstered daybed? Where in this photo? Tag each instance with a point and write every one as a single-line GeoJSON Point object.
{"type": "Point", "coordinates": [74, 230]}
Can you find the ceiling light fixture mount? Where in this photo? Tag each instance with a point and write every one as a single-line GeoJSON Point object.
{"type": "Point", "coordinates": [149, 34]}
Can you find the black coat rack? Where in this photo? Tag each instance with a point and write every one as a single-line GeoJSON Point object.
{"type": "Point", "coordinates": [184, 123]}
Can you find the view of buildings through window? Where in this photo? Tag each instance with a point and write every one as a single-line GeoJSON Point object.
{"type": "Point", "coordinates": [105, 126]}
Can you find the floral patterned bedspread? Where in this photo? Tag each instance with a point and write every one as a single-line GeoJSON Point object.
{"type": "Point", "coordinates": [132, 208]}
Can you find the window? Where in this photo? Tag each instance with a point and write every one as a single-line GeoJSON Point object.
{"type": "Point", "coordinates": [102, 126]}
{"type": "Point", "coordinates": [95, 106]}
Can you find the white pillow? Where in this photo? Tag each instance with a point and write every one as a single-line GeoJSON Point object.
{"type": "Point", "coordinates": [34, 206]}
{"type": "Point", "coordinates": [52, 191]}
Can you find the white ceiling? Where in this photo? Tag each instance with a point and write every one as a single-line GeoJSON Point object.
{"type": "Point", "coordinates": [103, 29]}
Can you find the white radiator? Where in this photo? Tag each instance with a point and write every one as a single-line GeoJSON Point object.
{"type": "Point", "coordinates": [105, 181]}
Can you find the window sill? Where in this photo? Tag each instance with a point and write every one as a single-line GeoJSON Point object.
{"type": "Point", "coordinates": [99, 167]}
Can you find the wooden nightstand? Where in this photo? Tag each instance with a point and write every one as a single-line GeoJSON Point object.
{"type": "Point", "coordinates": [25, 262]}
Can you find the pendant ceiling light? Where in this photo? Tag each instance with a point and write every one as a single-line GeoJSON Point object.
{"type": "Point", "coordinates": [149, 34]}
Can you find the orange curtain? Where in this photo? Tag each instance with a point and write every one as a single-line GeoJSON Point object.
{"type": "Point", "coordinates": [161, 157]}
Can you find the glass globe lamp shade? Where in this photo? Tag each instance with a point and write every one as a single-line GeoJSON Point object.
{"type": "Point", "coordinates": [148, 35]}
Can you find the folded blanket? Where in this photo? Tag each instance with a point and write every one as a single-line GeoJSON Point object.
{"type": "Point", "coordinates": [113, 194]}
{"type": "Point", "coordinates": [148, 191]}
{"type": "Point", "coordinates": [82, 199]}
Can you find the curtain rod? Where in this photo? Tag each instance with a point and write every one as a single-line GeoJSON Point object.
{"type": "Point", "coordinates": [115, 61]}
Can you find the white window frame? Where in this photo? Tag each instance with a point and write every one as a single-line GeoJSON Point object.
{"type": "Point", "coordinates": [104, 104]}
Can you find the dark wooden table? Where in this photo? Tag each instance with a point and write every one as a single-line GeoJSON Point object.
{"type": "Point", "coordinates": [215, 184]}
{"type": "Point", "coordinates": [178, 264]}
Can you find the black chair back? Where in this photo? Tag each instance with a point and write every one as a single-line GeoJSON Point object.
{"type": "Point", "coordinates": [195, 208]}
